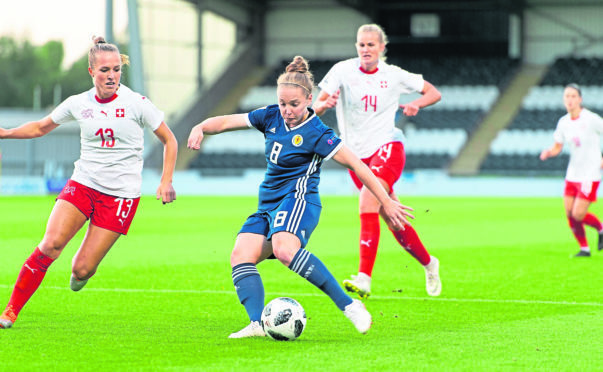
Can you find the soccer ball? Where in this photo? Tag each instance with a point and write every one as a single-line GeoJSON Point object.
{"type": "Point", "coordinates": [283, 319]}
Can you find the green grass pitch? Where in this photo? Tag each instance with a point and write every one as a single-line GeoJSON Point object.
{"type": "Point", "coordinates": [512, 299]}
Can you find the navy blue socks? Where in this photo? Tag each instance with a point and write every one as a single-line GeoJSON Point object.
{"type": "Point", "coordinates": [312, 269]}
{"type": "Point", "coordinates": [249, 287]}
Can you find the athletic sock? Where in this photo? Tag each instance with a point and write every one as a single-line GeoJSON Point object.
{"type": "Point", "coordinates": [313, 270]}
{"type": "Point", "coordinates": [578, 231]}
{"type": "Point", "coordinates": [369, 241]}
{"type": "Point", "coordinates": [592, 221]}
{"type": "Point", "coordinates": [29, 279]}
{"type": "Point", "coordinates": [250, 290]}
{"type": "Point", "coordinates": [409, 239]}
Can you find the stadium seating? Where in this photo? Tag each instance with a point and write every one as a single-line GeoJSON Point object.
{"type": "Point", "coordinates": [319, 68]}
{"type": "Point", "coordinates": [231, 153]}
{"type": "Point", "coordinates": [51, 156]}
{"type": "Point", "coordinates": [540, 119]}
{"type": "Point", "coordinates": [579, 70]}
{"type": "Point", "coordinates": [430, 118]}
{"type": "Point", "coordinates": [524, 165]}
{"type": "Point", "coordinates": [459, 70]}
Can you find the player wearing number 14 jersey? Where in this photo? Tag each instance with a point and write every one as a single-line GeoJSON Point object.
{"type": "Point", "coordinates": [365, 92]}
{"type": "Point", "coordinates": [105, 185]}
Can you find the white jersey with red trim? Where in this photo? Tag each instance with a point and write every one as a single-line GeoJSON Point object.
{"type": "Point", "coordinates": [583, 136]}
{"type": "Point", "coordinates": [367, 105]}
{"type": "Point", "coordinates": [112, 138]}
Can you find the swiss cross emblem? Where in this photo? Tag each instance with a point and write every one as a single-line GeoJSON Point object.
{"type": "Point", "coordinates": [120, 113]}
{"type": "Point", "coordinates": [383, 84]}
{"type": "Point", "coordinates": [576, 141]}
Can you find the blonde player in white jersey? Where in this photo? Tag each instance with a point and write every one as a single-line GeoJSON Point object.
{"type": "Point", "coordinates": [365, 92]}
{"type": "Point", "coordinates": [581, 130]}
{"type": "Point", "coordinates": [105, 185]}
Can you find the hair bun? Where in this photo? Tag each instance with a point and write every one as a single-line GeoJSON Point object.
{"type": "Point", "coordinates": [98, 40]}
{"type": "Point", "coordinates": [299, 64]}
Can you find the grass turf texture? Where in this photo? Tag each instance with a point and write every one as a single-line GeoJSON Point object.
{"type": "Point", "coordinates": [163, 299]}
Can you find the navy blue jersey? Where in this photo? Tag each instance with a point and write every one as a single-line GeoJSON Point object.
{"type": "Point", "coordinates": [294, 156]}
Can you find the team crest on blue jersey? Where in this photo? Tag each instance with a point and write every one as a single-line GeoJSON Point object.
{"type": "Point", "coordinates": [297, 140]}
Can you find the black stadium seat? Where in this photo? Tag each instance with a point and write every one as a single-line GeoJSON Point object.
{"type": "Point", "coordinates": [459, 70]}
{"type": "Point", "coordinates": [426, 161]}
{"type": "Point", "coordinates": [579, 70]}
{"type": "Point", "coordinates": [536, 119]}
{"type": "Point", "coordinates": [529, 164]}
{"type": "Point", "coordinates": [447, 119]}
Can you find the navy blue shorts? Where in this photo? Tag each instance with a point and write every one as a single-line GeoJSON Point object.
{"type": "Point", "coordinates": [293, 215]}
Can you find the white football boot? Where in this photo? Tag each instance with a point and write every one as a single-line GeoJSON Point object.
{"type": "Point", "coordinates": [359, 284]}
{"type": "Point", "coordinates": [253, 329]}
{"type": "Point", "coordinates": [432, 277]}
{"type": "Point", "coordinates": [357, 313]}
{"type": "Point", "coordinates": [75, 284]}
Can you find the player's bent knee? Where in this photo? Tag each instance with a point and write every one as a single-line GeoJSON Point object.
{"type": "Point", "coordinates": [52, 247]}
{"type": "Point", "coordinates": [238, 257]}
{"type": "Point", "coordinates": [82, 272]}
{"type": "Point", "coordinates": [578, 216]}
{"type": "Point", "coordinates": [284, 254]}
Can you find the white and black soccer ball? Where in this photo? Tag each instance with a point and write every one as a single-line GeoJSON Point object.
{"type": "Point", "coordinates": [283, 319]}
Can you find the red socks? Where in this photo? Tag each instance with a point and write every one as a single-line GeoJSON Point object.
{"type": "Point", "coordinates": [578, 227]}
{"type": "Point", "coordinates": [29, 280]}
{"type": "Point", "coordinates": [409, 239]}
{"type": "Point", "coordinates": [592, 221]}
{"type": "Point", "coordinates": [369, 241]}
{"type": "Point", "coordinates": [578, 230]}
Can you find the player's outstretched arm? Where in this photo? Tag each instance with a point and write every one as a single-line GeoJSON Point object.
{"type": "Point", "coordinates": [31, 129]}
{"type": "Point", "coordinates": [551, 152]}
{"type": "Point", "coordinates": [215, 125]}
{"type": "Point", "coordinates": [325, 102]}
{"type": "Point", "coordinates": [397, 213]}
{"type": "Point", "coordinates": [429, 95]}
{"type": "Point", "coordinates": [166, 191]}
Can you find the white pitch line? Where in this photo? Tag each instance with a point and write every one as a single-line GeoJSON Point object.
{"type": "Point", "coordinates": [377, 297]}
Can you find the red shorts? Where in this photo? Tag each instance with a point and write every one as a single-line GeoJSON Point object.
{"type": "Point", "coordinates": [582, 190]}
{"type": "Point", "coordinates": [387, 163]}
{"type": "Point", "coordinates": [106, 211]}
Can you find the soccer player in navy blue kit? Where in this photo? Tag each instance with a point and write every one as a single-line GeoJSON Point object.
{"type": "Point", "coordinates": [297, 143]}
